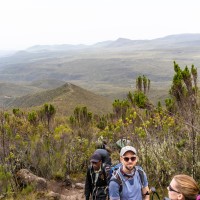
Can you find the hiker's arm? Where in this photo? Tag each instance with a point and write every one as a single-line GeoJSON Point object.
{"type": "Point", "coordinates": [114, 191]}
{"type": "Point", "coordinates": [87, 185]}
{"type": "Point", "coordinates": [145, 189]}
{"type": "Point", "coordinates": [145, 192]}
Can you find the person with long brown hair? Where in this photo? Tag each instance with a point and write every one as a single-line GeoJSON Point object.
{"type": "Point", "coordinates": [183, 187]}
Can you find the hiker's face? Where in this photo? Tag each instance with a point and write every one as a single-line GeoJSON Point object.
{"type": "Point", "coordinates": [129, 160]}
{"type": "Point", "coordinates": [96, 165]}
{"type": "Point", "coordinates": [173, 192]}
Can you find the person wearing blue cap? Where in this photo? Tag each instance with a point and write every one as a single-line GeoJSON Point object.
{"type": "Point", "coordinates": [97, 179]}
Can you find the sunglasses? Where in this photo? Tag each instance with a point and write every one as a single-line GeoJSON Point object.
{"type": "Point", "coordinates": [126, 159]}
{"type": "Point", "coordinates": [171, 189]}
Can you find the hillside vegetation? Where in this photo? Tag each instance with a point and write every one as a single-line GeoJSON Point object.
{"type": "Point", "coordinates": [54, 113]}
{"type": "Point", "coordinates": [65, 98]}
{"type": "Point", "coordinates": [54, 145]}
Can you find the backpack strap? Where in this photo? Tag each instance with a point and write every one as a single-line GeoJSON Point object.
{"type": "Point", "coordinates": [116, 178]}
{"type": "Point", "coordinates": [141, 174]}
{"type": "Point", "coordinates": [104, 171]}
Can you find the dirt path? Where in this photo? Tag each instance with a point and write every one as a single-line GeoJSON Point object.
{"type": "Point", "coordinates": [71, 193]}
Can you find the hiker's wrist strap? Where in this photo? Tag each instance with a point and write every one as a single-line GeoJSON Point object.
{"type": "Point", "coordinates": [147, 193]}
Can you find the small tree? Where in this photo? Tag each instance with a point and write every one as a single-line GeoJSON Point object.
{"type": "Point", "coordinates": [184, 93]}
{"type": "Point", "coordinates": [48, 111]}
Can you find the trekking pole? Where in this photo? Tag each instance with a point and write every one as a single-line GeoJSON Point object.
{"type": "Point", "coordinates": [154, 194]}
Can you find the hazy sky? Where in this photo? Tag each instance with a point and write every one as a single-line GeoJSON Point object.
{"type": "Point", "coordinates": [24, 23]}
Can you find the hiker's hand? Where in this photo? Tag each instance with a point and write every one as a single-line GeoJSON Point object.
{"type": "Point", "coordinates": [146, 193]}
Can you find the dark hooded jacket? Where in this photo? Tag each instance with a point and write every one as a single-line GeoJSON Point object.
{"type": "Point", "coordinates": [97, 189]}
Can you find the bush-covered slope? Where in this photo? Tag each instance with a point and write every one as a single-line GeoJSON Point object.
{"type": "Point", "coordinates": [65, 99]}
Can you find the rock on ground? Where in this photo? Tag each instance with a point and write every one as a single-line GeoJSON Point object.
{"type": "Point", "coordinates": [51, 190]}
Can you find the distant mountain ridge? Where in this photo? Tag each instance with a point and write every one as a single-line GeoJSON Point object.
{"type": "Point", "coordinates": [61, 47]}
{"type": "Point", "coordinates": [108, 68]}
{"type": "Point", "coordinates": [120, 42]}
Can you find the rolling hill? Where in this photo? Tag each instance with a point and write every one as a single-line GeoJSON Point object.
{"type": "Point", "coordinates": [65, 98]}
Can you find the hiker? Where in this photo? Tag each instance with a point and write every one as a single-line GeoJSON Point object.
{"type": "Point", "coordinates": [183, 187]}
{"type": "Point", "coordinates": [128, 182]}
{"type": "Point", "coordinates": [97, 179]}
{"type": "Point", "coordinates": [102, 144]}
{"type": "Point", "coordinates": [106, 147]}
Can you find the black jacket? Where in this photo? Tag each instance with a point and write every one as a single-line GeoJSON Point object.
{"type": "Point", "coordinates": [99, 189]}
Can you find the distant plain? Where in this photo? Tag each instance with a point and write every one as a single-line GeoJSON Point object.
{"type": "Point", "coordinates": [108, 68]}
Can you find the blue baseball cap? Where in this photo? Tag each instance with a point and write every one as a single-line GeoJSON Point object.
{"type": "Point", "coordinates": [96, 157]}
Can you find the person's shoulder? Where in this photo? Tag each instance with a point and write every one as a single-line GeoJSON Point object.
{"type": "Point", "coordinates": [142, 175]}
{"type": "Point", "coordinates": [138, 167]}
{"type": "Point", "coordinates": [114, 183]}
{"type": "Point", "coordinates": [116, 174]}
{"type": "Point", "coordinates": [140, 171]}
